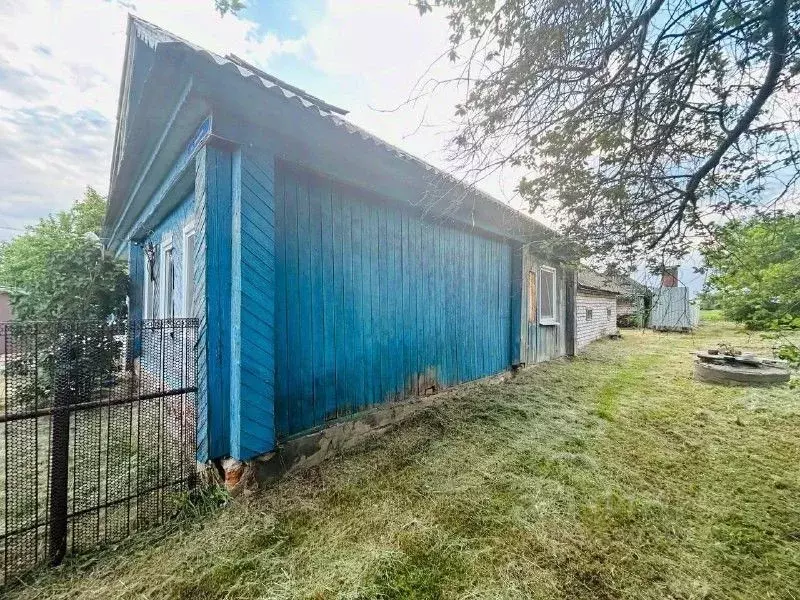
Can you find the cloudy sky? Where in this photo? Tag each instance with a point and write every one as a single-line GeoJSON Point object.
{"type": "Point", "coordinates": [61, 61]}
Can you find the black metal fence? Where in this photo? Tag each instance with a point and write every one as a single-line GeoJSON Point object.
{"type": "Point", "coordinates": [97, 434]}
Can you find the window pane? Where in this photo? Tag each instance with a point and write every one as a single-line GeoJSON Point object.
{"type": "Point", "coordinates": [151, 288]}
{"type": "Point", "coordinates": [188, 274]}
{"type": "Point", "coordinates": [169, 284]}
{"type": "Point", "coordinates": [547, 291]}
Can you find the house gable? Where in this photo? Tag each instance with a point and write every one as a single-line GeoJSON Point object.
{"type": "Point", "coordinates": [243, 95]}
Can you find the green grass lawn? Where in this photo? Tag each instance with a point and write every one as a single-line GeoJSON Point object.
{"type": "Point", "coordinates": [613, 475]}
{"type": "Point", "coordinates": [711, 315]}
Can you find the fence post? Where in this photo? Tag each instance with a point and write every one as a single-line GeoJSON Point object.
{"type": "Point", "coordinates": [59, 448]}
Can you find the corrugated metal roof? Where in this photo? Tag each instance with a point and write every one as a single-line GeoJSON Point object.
{"type": "Point", "coordinates": [154, 35]}
{"type": "Point", "coordinates": [613, 284]}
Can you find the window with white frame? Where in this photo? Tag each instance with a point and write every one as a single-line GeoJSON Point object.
{"type": "Point", "coordinates": [547, 296]}
{"type": "Point", "coordinates": [589, 314]}
{"type": "Point", "coordinates": [188, 270]}
{"type": "Point", "coordinates": [167, 278]}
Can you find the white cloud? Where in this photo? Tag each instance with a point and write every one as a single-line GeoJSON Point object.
{"type": "Point", "coordinates": [60, 67]}
{"type": "Point", "coordinates": [61, 62]}
{"type": "Point", "coordinates": [376, 52]}
{"type": "Point", "coordinates": [383, 53]}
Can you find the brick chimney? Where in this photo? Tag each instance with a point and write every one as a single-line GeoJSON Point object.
{"type": "Point", "coordinates": [669, 277]}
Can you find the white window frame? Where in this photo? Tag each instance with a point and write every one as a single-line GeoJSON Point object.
{"type": "Point", "coordinates": [188, 231]}
{"type": "Point", "coordinates": [544, 320]}
{"type": "Point", "coordinates": [167, 245]}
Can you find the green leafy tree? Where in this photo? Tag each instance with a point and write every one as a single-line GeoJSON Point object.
{"type": "Point", "coordinates": [639, 122]}
{"type": "Point", "coordinates": [228, 6]}
{"type": "Point", "coordinates": [755, 271]}
{"type": "Point", "coordinates": [58, 270]}
{"type": "Point", "coordinates": [708, 300]}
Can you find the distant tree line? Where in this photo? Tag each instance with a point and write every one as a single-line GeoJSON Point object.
{"type": "Point", "coordinates": [755, 271]}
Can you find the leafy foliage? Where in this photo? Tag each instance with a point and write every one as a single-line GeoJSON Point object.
{"type": "Point", "coordinates": [639, 122]}
{"type": "Point", "coordinates": [58, 269]}
{"type": "Point", "coordinates": [755, 271]}
{"type": "Point", "coordinates": [790, 353]}
{"type": "Point", "coordinates": [228, 6]}
{"type": "Point", "coordinates": [708, 300]}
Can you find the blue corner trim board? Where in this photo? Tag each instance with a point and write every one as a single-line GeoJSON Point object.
{"type": "Point", "coordinates": [213, 196]}
{"type": "Point", "coordinates": [236, 304]}
{"type": "Point", "coordinates": [516, 304]}
{"type": "Point", "coordinates": [218, 294]}
{"type": "Point", "coordinates": [199, 303]}
{"type": "Point", "coordinates": [254, 293]}
{"type": "Point", "coordinates": [234, 274]}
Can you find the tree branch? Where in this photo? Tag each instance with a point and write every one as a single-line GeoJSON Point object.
{"type": "Point", "coordinates": [779, 26]}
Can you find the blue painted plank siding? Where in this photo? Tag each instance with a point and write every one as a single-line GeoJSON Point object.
{"type": "Point", "coordinates": [213, 198]}
{"type": "Point", "coordinates": [200, 293]}
{"type": "Point", "coordinates": [374, 304]}
{"type": "Point", "coordinates": [252, 306]}
{"type": "Point", "coordinates": [281, 311]}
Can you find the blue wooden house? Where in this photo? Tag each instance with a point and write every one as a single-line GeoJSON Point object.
{"type": "Point", "coordinates": [330, 271]}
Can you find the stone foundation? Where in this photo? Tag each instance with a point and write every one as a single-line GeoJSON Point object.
{"type": "Point", "coordinates": [313, 448]}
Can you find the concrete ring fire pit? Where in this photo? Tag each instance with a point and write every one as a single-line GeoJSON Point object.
{"type": "Point", "coordinates": [738, 374]}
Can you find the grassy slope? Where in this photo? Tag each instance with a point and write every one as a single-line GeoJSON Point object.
{"type": "Point", "coordinates": [611, 476]}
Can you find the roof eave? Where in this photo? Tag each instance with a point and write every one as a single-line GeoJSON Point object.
{"type": "Point", "coordinates": [123, 87]}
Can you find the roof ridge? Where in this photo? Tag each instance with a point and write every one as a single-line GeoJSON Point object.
{"type": "Point", "coordinates": [140, 22]}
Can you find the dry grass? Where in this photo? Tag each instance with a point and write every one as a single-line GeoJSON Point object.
{"type": "Point", "coordinates": [614, 475]}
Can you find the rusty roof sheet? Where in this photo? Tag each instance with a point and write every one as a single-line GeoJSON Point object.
{"type": "Point", "coordinates": [613, 284]}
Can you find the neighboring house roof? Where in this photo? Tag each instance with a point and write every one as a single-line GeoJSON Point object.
{"type": "Point", "coordinates": [154, 36]}
{"type": "Point", "coordinates": [611, 284]}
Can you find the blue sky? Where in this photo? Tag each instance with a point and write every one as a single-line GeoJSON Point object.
{"type": "Point", "coordinates": [61, 61]}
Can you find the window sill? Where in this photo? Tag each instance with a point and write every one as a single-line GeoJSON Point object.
{"type": "Point", "coordinates": [548, 322]}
